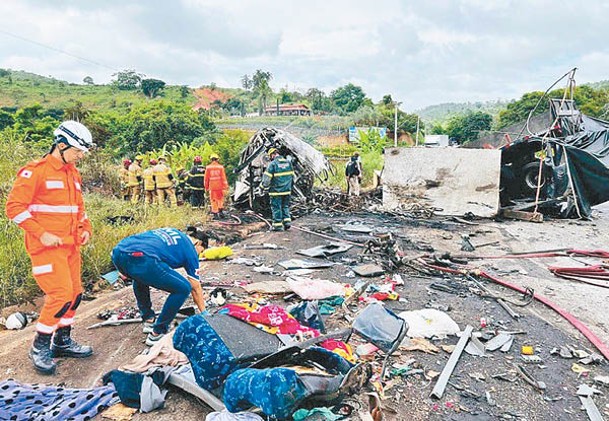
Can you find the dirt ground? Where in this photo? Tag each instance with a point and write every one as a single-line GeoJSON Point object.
{"type": "Point", "coordinates": [473, 392]}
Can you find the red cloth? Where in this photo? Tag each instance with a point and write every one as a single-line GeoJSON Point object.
{"type": "Point", "coordinates": [271, 316]}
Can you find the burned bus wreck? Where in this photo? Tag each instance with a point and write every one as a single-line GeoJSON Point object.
{"type": "Point", "coordinates": [562, 171]}
{"type": "Point", "coordinates": [309, 164]}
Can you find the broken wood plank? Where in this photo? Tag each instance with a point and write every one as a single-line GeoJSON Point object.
{"type": "Point", "coordinates": [440, 386]}
{"type": "Point", "coordinates": [521, 215]}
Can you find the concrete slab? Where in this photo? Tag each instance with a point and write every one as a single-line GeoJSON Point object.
{"type": "Point", "coordinates": [453, 180]}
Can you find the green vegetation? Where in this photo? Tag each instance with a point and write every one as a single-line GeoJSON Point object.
{"type": "Point", "coordinates": [139, 115]}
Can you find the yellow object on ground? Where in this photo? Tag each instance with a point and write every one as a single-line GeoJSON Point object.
{"type": "Point", "coordinates": [527, 350]}
{"type": "Point", "coordinates": [217, 253]}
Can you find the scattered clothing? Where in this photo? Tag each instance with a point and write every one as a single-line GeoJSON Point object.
{"type": "Point", "coordinates": [314, 374]}
{"type": "Point", "coordinates": [210, 358]}
{"type": "Point", "coordinates": [229, 416]}
{"type": "Point", "coordinates": [161, 354]}
{"type": "Point", "coordinates": [322, 413]}
{"type": "Point", "coordinates": [315, 289]}
{"type": "Point", "coordinates": [270, 318]}
{"type": "Point", "coordinates": [142, 391]}
{"type": "Point", "coordinates": [35, 402]}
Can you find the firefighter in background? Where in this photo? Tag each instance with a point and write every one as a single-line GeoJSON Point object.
{"type": "Point", "coordinates": [124, 177]}
{"type": "Point", "coordinates": [164, 183]}
{"type": "Point", "coordinates": [46, 202]}
{"type": "Point", "coordinates": [149, 184]}
{"type": "Point", "coordinates": [196, 183]}
{"type": "Point", "coordinates": [277, 180]}
{"type": "Point", "coordinates": [216, 185]}
{"type": "Point", "coordinates": [135, 179]}
{"type": "Point", "coordinates": [181, 192]}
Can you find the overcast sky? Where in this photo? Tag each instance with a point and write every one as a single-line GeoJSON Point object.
{"type": "Point", "coordinates": [421, 52]}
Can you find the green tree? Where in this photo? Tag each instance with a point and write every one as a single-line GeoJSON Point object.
{"type": "Point", "coordinates": [318, 100]}
{"type": "Point", "coordinates": [184, 91]}
{"type": "Point", "coordinates": [6, 120]}
{"type": "Point", "coordinates": [466, 128]}
{"type": "Point", "coordinates": [127, 80]}
{"type": "Point", "coordinates": [247, 82]}
{"type": "Point", "coordinates": [285, 97]}
{"type": "Point", "coordinates": [387, 101]}
{"type": "Point", "coordinates": [260, 86]}
{"type": "Point", "coordinates": [518, 111]}
{"type": "Point", "coordinates": [4, 72]}
{"type": "Point", "coordinates": [348, 98]}
{"type": "Point", "coordinates": [152, 87]}
{"type": "Point", "coordinates": [88, 80]}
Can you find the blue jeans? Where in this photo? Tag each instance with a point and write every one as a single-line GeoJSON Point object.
{"type": "Point", "coordinates": [280, 208]}
{"type": "Point", "coordinates": [149, 272]}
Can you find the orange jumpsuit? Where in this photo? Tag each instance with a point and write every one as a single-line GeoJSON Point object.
{"type": "Point", "coordinates": [215, 184]}
{"type": "Point", "coordinates": [47, 197]}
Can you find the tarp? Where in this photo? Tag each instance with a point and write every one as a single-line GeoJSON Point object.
{"type": "Point", "coordinates": [575, 167]}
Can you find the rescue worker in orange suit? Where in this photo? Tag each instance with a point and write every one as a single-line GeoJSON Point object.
{"type": "Point", "coordinates": [216, 185]}
{"type": "Point", "coordinates": [195, 183]}
{"type": "Point", "coordinates": [164, 183]}
{"type": "Point", "coordinates": [149, 184]}
{"type": "Point", "coordinates": [124, 176]}
{"type": "Point", "coordinates": [46, 202]}
{"type": "Point", "coordinates": [135, 179]}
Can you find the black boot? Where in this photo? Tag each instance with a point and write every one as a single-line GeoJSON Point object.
{"type": "Point", "coordinates": [64, 346]}
{"type": "Point", "coordinates": [41, 354]}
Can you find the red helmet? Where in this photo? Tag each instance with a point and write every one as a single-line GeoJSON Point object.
{"type": "Point", "coordinates": [197, 160]}
{"type": "Point", "coordinates": [126, 162]}
{"type": "Point", "coordinates": [153, 162]}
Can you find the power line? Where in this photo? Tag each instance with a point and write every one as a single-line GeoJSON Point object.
{"type": "Point", "coordinates": [57, 50]}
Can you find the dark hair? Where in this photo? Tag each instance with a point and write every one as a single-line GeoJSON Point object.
{"type": "Point", "coordinates": [197, 234]}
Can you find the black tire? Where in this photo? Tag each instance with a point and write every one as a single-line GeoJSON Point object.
{"type": "Point", "coordinates": [530, 174]}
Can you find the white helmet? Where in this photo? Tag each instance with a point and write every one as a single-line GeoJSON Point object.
{"type": "Point", "coordinates": [76, 134]}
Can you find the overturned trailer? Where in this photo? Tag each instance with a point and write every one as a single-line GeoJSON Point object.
{"type": "Point", "coordinates": [309, 164]}
{"type": "Point", "coordinates": [562, 171]}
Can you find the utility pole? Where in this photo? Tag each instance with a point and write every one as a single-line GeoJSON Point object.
{"type": "Point", "coordinates": [395, 126]}
{"type": "Point", "coordinates": [417, 137]}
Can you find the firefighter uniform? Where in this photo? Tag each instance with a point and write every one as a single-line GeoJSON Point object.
{"type": "Point", "coordinates": [196, 185]}
{"type": "Point", "coordinates": [149, 186]}
{"type": "Point", "coordinates": [216, 185]}
{"type": "Point", "coordinates": [124, 177]}
{"type": "Point", "coordinates": [164, 183]}
{"type": "Point", "coordinates": [277, 179]}
{"type": "Point", "coordinates": [134, 180]}
{"type": "Point", "coordinates": [46, 197]}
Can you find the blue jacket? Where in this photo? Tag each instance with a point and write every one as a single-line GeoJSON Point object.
{"type": "Point", "coordinates": [278, 177]}
{"type": "Point", "coordinates": [168, 245]}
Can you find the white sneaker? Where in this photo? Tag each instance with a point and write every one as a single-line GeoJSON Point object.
{"type": "Point", "coordinates": [148, 326]}
{"type": "Point", "coordinates": [152, 339]}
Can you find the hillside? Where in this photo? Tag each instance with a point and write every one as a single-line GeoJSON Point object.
{"type": "Point", "coordinates": [441, 113]}
{"type": "Point", "coordinates": [23, 89]}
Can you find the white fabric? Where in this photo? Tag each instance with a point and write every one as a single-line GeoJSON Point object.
{"type": "Point", "coordinates": [314, 289]}
{"type": "Point", "coordinates": [229, 416]}
{"type": "Point", "coordinates": [429, 322]}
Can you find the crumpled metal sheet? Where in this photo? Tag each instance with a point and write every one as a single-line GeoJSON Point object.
{"type": "Point", "coordinates": [308, 164]}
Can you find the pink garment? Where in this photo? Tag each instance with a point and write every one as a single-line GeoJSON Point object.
{"type": "Point", "coordinates": [272, 316]}
{"type": "Point", "coordinates": [315, 289]}
{"type": "Point", "coordinates": [161, 354]}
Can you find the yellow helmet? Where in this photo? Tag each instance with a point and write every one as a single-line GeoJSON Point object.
{"type": "Point", "coordinates": [272, 151]}
{"type": "Point", "coordinates": [214, 156]}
